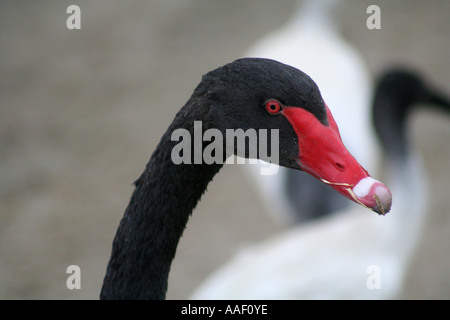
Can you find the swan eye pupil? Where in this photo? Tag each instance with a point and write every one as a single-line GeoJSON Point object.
{"type": "Point", "coordinates": [273, 107]}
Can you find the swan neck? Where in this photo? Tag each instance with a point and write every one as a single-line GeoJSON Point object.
{"type": "Point", "coordinates": [146, 240]}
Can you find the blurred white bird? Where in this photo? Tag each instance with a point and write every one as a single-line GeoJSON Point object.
{"type": "Point", "coordinates": [311, 42]}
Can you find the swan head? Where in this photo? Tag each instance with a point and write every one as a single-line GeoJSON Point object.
{"type": "Point", "coordinates": [255, 94]}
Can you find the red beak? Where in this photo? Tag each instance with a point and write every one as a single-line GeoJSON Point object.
{"type": "Point", "coordinates": [323, 155]}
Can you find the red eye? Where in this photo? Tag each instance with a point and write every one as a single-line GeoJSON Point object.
{"type": "Point", "coordinates": [273, 106]}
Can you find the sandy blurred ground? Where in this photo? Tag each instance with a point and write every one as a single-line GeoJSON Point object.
{"type": "Point", "coordinates": [81, 112]}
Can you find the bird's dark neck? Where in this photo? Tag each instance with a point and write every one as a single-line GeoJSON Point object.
{"type": "Point", "coordinates": [395, 96]}
{"type": "Point", "coordinates": [149, 232]}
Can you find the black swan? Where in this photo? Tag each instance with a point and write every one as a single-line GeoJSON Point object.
{"type": "Point", "coordinates": [245, 94]}
{"type": "Point", "coordinates": [347, 255]}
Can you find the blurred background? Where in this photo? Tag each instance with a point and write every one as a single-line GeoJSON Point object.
{"type": "Point", "coordinates": [82, 110]}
